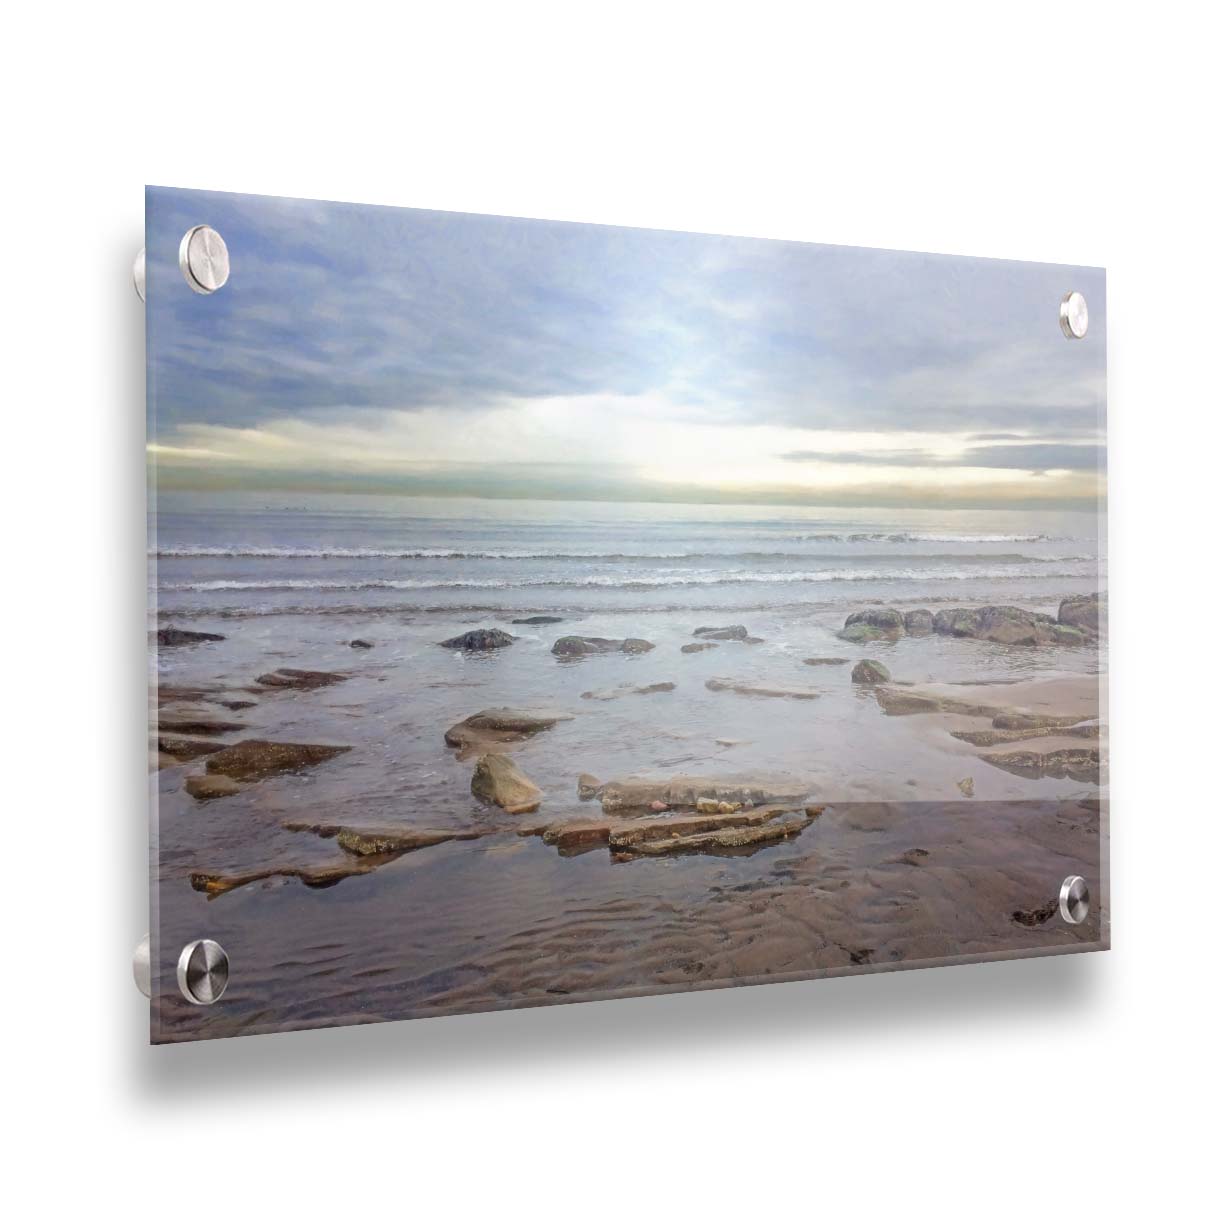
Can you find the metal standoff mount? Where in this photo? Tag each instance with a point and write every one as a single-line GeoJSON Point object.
{"type": "Point", "coordinates": [1073, 900]}
{"type": "Point", "coordinates": [1073, 315]}
{"type": "Point", "coordinates": [202, 971]}
{"type": "Point", "coordinates": [138, 274]}
{"type": "Point", "coordinates": [204, 259]}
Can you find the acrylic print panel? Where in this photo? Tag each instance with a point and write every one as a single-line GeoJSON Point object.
{"type": "Point", "coordinates": [547, 612]}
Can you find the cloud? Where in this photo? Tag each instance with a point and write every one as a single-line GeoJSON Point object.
{"type": "Point", "coordinates": [1024, 457]}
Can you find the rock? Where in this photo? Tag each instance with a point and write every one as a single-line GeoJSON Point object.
{"type": "Point", "coordinates": [900, 701]}
{"type": "Point", "coordinates": [988, 739]}
{"type": "Point", "coordinates": [479, 639]}
{"type": "Point", "coordinates": [312, 877]}
{"type": "Point", "coordinates": [538, 620]}
{"type": "Point", "coordinates": [734, 838]}
{"type": "Point", "coordinates": [658, 806]}
{"type": "Point", "coordinates": [919, 622]}
{"type": "Point", "coordinates": [184, 749]}
{"type": "Point", "coordinates": [210, 786]}
{"type": "Point", "coordinates": [195, 722]}
{"type": "Point", "coordinates": [498, 780]}
{"type": "Point", "coordinates": [578, 834]}
{"type": "Point", "coordinates": [860, 635]}
{"type": "Point", "coordinates": [717, 685]}
{"type": "Point", "coordinates": [589, 786]}
{"type": "Point", "coordinates": [364, 842]}
{"type": "Point", "coordinates": [361, 644]}
{"type": "Point", "coordinates": [168, 635]}
{"type": "Point", "coordinates": [727, 633]}
{"type": "Point", "coordinates": [250, 760]}
{"type": "Point", "coordinates": [629, 690]}
{"type": "Point", "coordinates": [1079, 764]}
{"type": "Point", "coordinates": [869, 671]}
{"type": "Point", "coordinates": [577, 647]}
{"type": "Point", "coordinates": [887, 619]}
{"type": "Point", "coordinates": [207, 695]}
{"type": "Point", "coordinates": [965, 785]}
{"type": "Point", "coordinates": [501, 725]}
{"type": "Point", "coordinates": [1006, 625]}
{"type": "Point", "coordinates": [833, 661]}
{"type": "Point", "coordinates": [638, 794]}
{"type": "Point", "coordinates": [1036, 917]}
{"type": "Point", "coordinates": [696, 647]}
{"type": "Point", "coordinates": [1026, 720]}
{"type": "Point", "coordinates": [296, 678]}
{"type": "Point", "coordinates": [1084, 612]}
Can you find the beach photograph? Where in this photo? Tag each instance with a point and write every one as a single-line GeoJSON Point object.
{"type": "Point", "coordinates": [543, 612]}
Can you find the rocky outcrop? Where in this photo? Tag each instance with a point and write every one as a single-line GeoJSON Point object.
{"type": "Point", "coordinates": [538, 620]}
{"type": "Point", "coordinates": [502, 725]}
{"type": "Point", "coordinates": [1078, 764]}
{"type": "Point", "coordinates": [498, 780]}
{"type": "Point", "coordinates": [727, 633]}
{"type": "Point", "coordinates": [1083, 612]}
{"type": "Point", "coordinates": [479, 639]}
{"type": "Point", "coordinates": [686, 791]}
{"type": "Point", "coordinates": [210, 786]}
{"type": "Point", "coordinates": [697, 647]}
{"type": "Point", "coordinates": [251, 760]}
{"type": "Point", "coordinates": [1006, 625]}
{"type": "Point", "coordinates": [577, 647]}
{"type": "Point", "coordinates": [718, 685]}
{"type": "Point", "coordinates": [297, 678]}
{"type": "Point", "coordinates": [919, 622]}
{"type": "Point", "coordinates": [168, 635]}
{"type": "Point", "coordinates": [629, 690]}
{"type": "Point", "coordinates": [869, 671]}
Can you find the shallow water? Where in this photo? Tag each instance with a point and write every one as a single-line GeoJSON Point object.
{"type": "Point", "coordinates": [505, 920]}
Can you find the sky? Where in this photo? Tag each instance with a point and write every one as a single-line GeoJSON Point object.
{"type": "Point", "coordinates": [418, 352]}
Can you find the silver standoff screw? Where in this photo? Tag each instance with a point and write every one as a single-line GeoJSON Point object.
{"type": "Point", "coordinates": [204, 259]}
{"type": "Point", "coordinates": [203, 971]}
{"type": "Point", "coordinates": [1073, 315]}
{"type": "Point", "coordinates": [138, 274]}
{"type": "Point", "coordinates": [140, 967]}
{"type": "Point", "coordinates": [1073, 900]}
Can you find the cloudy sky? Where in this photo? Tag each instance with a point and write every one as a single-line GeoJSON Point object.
{"type": "Point", "coordinates": [399, 350]}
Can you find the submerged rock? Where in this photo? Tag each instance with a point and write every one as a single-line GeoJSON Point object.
{"type": "Point", "coordinates": [684, 790]}
{"type": "Point", "coordinates": [364, 842]}
{"type": "Point", "coordinates": [697, 647]}
{"type": "Point", "coordinates": [727, 633]}
{"type": "Point", "coordinates": [900, 701]}
{"type": "Point", "coordinates": [869, 671]}
{"type": "Point", "coordinates": [576, 647]}
{"type": "Point", "coordinates": [629, 690]}
{"type": "Point", "coordinates": [297, 678]}
{"type": "Point", "coordinates": [919, 622]}
{"type": "Point", "coordinates": [965, 786]}
{"type": "Point", "coordinates": [832, 661]}
{"type": "Point", "coordinates": [168, 635]}
{"type": "Point", "coordinates": [501, 725]}
{"type": "Point", "coordinates": [210, 786]}
{"type": "Point", "coordinates": [250, 760]}
{"type": "Point", "coordinates": [717, 685]}
{"type": "Point", "coordinates": [589, 786]}
{"type": "Point", "coordinates": [361, 644]}
{"type": "Point", "coordinates": [195, 722]}
{"type": "Point", "coordinates": [538, 620]}
{"type": "Point", "coordinates": [479, 639]}
{"type": "Point", "coordinates": [312, 877]}
{"type": "Point", "coordinates": [498, 780]}
{"type": "Point", "coordinates": [988, 739]}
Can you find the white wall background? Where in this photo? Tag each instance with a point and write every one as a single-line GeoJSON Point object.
{"type": "Point", "coordinates": [1067, 1086]}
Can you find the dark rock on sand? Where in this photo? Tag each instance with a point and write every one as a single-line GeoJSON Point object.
{"type": "Point", "coordinates": [697, 647]}
{"type": "Point", "coordinates": [869, 671]}
{"type": "Point", "coordinates": [1036, 917]}
{"type": "Point", "coordinates": [832, 661]}
{"type": "Point", "coordinates": [1083, 612]}
{"type": "Point", "coordinates": [498, 780]}
{"type": "Point", "coordinates": [726, 633]}
{"type": "Point", "coordinates": [717, 685]}
{"type": "Point", "coordinates": [210, 786]}
{"type": "Point", "coordinates": [479, 639]}
{"type": "Point", "coordinates": [250, 760]}
{"type": "Point", "coordinates": [168, 635]}
{"type": "Point", "coordinates": [629, 690]}
{"type": "Point", "coordinates": [919, 622]}
{"type": "Point", "coordinates": [538, 620]}
{"type": "Point", "coordinates": [1079, 764]}
{"type": "Point", "coordinates": [361, 644]}
{"type": "Point", "coordinates": [364, 842]}
{"type": "Point", "coordinates": [296, 678]}
{"type": "Point", "coordinates": [577, 647]}
{"type": "Point", "coordinates": [503, 725]}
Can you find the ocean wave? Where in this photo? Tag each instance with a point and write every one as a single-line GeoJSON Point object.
{"type": "Point", "coordinates": [617, 581]}
{"type": "Point", "coordinates": [926, 537]}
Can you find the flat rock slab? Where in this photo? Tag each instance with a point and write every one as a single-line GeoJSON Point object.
{"type": "Point", "coordinates": [629, 690]}
{"type": "Point", "coordinates": [687, 791]}
{"type": "Point", "coordinates": [577, 647]}
{"type": "Point", "coordinates": [500, 726]}
{"type": "Point", "coordinates": [251, 760]}
{"type": "Point", "coordinates": [721, 839]}
{"type": "Point", "coordinates": [538, 620]}
{"type": "Point", "coordinates": [210, 786]}
{"type": "Point", "coordinates": [312, 877]}
{"type": "Point", "coordinates": [989, 739]}
{"type": "Point", "coordinates": [829, 662]}
{"type": "Point", "coordinates": [725, 633]}
{"type": "Point", "coordinates": [1078, 764]}
{"type": "Point", "coordinates": [185, 721]}
{"type": "Point", "coordinates": [697, 647]}
{"type": "Point", "coordinates": [362, 842]}
{"type": "Point", "coordinates": [746, 689]}
{"type": "Point", "coordinates": [297, 678]}
{"type": "Point", "coordinates": [184, 749]}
